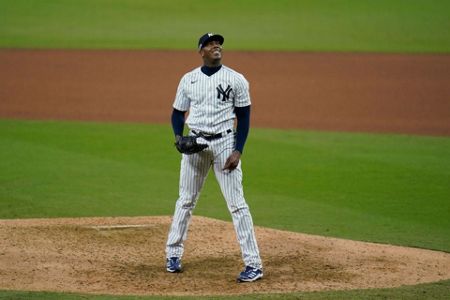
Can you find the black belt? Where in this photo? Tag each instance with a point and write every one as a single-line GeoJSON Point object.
{"type": "Point", "coordinates": [210, 137]}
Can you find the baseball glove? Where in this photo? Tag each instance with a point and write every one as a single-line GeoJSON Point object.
{"type": "Point", "coordinates": [188, 145]}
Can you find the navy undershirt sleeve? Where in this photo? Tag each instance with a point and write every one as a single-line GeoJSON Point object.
{"type": "Point", "coordinates": [243, 126]}
{"type": "Point", "coordinates": [178, 119]}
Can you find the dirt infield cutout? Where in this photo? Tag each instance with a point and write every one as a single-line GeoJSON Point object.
{"type": "Point", "coordinates": [319, 91]}
{"type": "Point", "coordinates": [126, 256]}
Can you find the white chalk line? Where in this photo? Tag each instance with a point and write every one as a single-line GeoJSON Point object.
{"type": "Point", "coordinates": [111, 227]}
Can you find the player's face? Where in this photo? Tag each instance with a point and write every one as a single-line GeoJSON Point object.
{"type": "Point", "coordinates": [212, 52]}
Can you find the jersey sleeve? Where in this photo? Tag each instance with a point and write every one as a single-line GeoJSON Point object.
{"type": "Point", "coordinates": [242, 93]}
{"type": "Point", "coordinates": [181, 102]}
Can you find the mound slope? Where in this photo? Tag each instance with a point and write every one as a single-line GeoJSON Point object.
{"type": "Point", "coordinates": [126, 256]}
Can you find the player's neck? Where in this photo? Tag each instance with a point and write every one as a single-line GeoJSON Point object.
{"type": "Point", "coordinates": [212, 63]}
{"type": "Point", "coordinates": [210, 70]}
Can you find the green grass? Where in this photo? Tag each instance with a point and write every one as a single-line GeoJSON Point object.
{"type": "Point", "coordinates": [436, 290]}
{"type": "Point", "coordinates": [372, 187]}
{"type": "Point", "coordinates": [52, 169]}
{"type": "Point", "coordinates": [381, 188]}
{"type": "Point", "coordinates": [294, 25]}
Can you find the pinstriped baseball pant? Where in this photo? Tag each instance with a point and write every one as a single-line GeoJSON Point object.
{"type": "Point", "coordinates": [194, 170]}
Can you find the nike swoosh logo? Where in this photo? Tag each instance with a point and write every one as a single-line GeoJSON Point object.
{"type": "Point", "coordinates": [193, 81]}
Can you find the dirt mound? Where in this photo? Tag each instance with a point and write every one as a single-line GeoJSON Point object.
{"type": "Point", "coordinates": [126, 256]}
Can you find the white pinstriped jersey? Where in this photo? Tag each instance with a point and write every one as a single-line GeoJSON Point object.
{"type": "Point", "coordinates": [211, 99]}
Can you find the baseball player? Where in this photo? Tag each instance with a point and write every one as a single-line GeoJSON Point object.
{"type": "Point", "coordinates": [215, 96]}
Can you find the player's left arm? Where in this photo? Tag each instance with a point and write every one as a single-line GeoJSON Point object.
{"type": "Point", "coordinates": [242, 129]}
{"type": "Point", "coordinates": [242, 111]}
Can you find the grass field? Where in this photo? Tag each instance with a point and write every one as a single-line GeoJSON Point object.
{"type": "Point", "coordinates": [381, 188]}
{"type": "Point", "coordinates": [305, 25]}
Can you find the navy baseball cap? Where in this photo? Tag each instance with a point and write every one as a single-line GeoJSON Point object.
{"type": "Point", "coordinates": [207, 37]}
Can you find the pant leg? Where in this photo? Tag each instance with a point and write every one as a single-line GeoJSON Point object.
{"type": "Point", "coordinates": [193, 172]}
{"type": "Point", "coordinates": [232, 190]}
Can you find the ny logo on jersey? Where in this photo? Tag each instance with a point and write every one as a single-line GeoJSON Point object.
{"type": "Point", "coordinates": [225, 93]}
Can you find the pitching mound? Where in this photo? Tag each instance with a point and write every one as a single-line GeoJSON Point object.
{"type": "Point", "coordinates": [126, 256]}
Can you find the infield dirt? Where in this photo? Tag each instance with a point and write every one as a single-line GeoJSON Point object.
{"type": "Point", "coordinates": [320, 91]}
{"type": "Point", "coordinates": [126, 256]}
{"type": "Point", "coordinates": [344, 92]}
